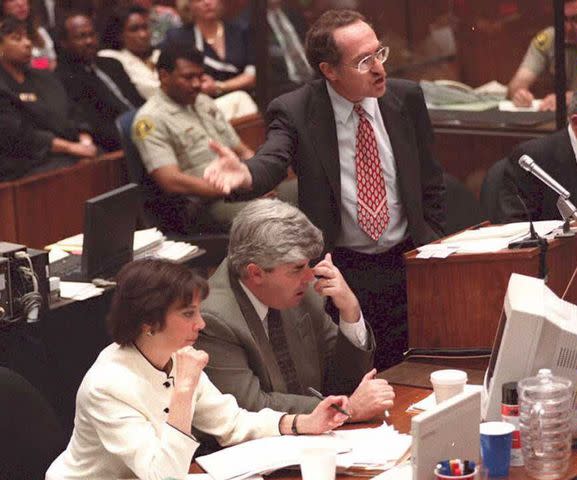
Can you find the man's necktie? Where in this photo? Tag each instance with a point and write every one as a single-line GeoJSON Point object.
{"type": "Point", "coordinates": [372, 208]}
{"type": "Point", "coordinates": [277, 338]}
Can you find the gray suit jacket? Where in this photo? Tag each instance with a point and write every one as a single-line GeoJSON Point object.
{"type": "Point", "coordinates": [243, 363]}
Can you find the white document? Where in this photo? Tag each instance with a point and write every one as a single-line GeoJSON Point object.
{"type": "Point", "coordinates": [264, 455]}
{"type": "Point", "coordinates": [379, 447]}
{"type": "Point", "coordinates": [79, 290]}
{"type": "Point", "coordinates": [507, 106]}
{"type": "Point", "coordinates": [400, 472]}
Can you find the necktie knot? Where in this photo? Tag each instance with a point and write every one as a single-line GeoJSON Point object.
{"type": "Point", "coordinates": [359, 110]}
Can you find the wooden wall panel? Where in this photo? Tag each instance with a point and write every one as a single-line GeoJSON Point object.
{"type": "Point", "coordinates": [7, 213]}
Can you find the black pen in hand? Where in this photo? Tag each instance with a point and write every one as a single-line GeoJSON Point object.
{"type": "Point", "coordinates": [320, 396]}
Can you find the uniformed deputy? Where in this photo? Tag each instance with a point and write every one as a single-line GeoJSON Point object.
{"type": "Point", "coordinates": [38, 123]}
{"type": "Point", "coordinates": [540, 58]}
{"type": "Point", "coordinates": [173, 131]}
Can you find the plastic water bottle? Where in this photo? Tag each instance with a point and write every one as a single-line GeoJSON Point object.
{"type": "Point", "coordinates": [545, 403]}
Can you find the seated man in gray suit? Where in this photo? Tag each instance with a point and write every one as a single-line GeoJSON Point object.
{"type": "Point", "coordinates": [267, 332]}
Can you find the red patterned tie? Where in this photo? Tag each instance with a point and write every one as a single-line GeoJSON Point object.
{"type": "Point", "coordinates": [372, 208]}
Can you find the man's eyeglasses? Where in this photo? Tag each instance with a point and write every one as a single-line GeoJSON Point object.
{"type": "Point", "coordinates": [366, 63]}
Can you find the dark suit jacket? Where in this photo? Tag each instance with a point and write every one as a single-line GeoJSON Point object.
{"type": "Point", "coordinates": [98, 106]}
{"type": "Point", "coordinates": [29, 122]}
{"type": "Point", "coordinates": [243, 363]}
{"type": "Point", "coordinates": [302, 133]}
{"type": "Point", "coordinates": [553, 154]}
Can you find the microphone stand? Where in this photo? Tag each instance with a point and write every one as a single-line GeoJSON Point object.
{"type": "Point", "coordinates": [534, 240]}
{"type": "Point", "coordinates": [567, 211]}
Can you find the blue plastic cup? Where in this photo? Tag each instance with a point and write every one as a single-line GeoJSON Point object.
{"type": "Point", "coordinates": [496, 439]}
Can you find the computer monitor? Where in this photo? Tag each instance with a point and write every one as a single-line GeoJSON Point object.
{"type": "Point", "coordinates": [537, 330]}
{"type": "Point", "coordinates": [109, 224]}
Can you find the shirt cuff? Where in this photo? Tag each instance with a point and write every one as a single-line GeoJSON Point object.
{"type": "Point", "coordinates": [356, 332]}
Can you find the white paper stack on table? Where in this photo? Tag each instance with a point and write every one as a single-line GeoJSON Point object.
{"type": "Point", "coordinates": [486, 239]}
{"type": "Point", "coordinates": [369, 450]}
{"type": "Point", "coordinates": [150, 242]}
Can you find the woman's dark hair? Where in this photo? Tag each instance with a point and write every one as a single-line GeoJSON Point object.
{"type": "Point", "coordinates": [145, 290]}
{"type": "Point", "coordinates": [10, 25]}
{"type": "Point", "coordinates": [113, 25]}
{"type": "Point", "coordinates": [320, 45]}
{"type": "Point", "coordinates": [32, 24]}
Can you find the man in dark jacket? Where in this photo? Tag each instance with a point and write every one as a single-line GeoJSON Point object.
{"type": "Point", "coordinates": [99, 86]}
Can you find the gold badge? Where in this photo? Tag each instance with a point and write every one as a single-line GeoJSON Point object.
{"type": "Point", "coordinates": [543, 39]}
{"type": "Point", "coordinates": [143, 127]}
{"type": "Point", "coordinates": [28, 97]}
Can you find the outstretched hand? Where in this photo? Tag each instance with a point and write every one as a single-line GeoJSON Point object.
{"type": "Point", "coordinates": [226, 172]}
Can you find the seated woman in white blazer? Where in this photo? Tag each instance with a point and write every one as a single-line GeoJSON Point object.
{"type": "Point", "coordinates": [137, 404]}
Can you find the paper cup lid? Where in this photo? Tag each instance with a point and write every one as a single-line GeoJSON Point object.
{"type": "Point", "coordinates": [449, 377]}
{"type": "Point", "coordinates": [496, 428]}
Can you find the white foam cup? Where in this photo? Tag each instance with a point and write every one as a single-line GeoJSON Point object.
{"type": "Point", "coordinates": [318, 463]}
{"type": "Point", "coordinates": [448, 383]}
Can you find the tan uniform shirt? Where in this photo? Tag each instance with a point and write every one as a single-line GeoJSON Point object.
{"type": "Point", "coordinates": [540, 57]}
{"type": "Point", "coordinates": [167, 133]}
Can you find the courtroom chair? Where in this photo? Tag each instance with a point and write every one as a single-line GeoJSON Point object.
{"type": "Point", "coordinates": [159, 208]}
{"type": "Point", "coordinates": [490, 191]}
{"type": "Point", "coordinates": [32, 436]}
{"type": "Point", "coordinates": [463, 209]}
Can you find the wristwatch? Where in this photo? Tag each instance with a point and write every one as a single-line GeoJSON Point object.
{"type": "Point", "coordinates": [219, 88]}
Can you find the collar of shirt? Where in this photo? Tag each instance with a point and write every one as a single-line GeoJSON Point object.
{"type": "Point", "coordinates": [573, 139]}
{"type": "Point", "coordinates": [261, 308]}
{"type": "Point", "coordinates": [343, 107]}
{"type": "Point", "coordinates": [169, 105]}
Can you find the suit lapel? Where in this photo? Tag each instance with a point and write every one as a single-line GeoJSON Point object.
{"type": "Point", "coordinates": [568, 163]}
{"type": "Point", "coordinates": [400, 134]}
{"type": "Point", "coordinates": [324, 134]}
{"type": "Point", "coordinates": [277, 383]}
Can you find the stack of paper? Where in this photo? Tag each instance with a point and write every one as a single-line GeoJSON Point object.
{"type": "Point", "coordinates": [147, 241]}
{"type": "Point", "coordinates": [361, 450]}
{"type": "Point", "coordinates": [79, 290]}
{"type": "Point", "coordinates": [372, 448]}
{"type": "Point", "coordinates": [175, 250]}
{"type": "Point", "coordinates": [486, 239]}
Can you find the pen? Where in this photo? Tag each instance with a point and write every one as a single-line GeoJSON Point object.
{"type": "Point", "coordinates": [320, 396]}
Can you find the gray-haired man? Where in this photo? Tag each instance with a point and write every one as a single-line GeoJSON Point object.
{"type": "Point", "coordinates": [267, 333]}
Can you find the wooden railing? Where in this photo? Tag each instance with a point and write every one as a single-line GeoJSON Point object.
{"type": "Point", "coordinates": [43, 208]}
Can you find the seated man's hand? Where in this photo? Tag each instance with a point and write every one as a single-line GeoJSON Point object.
{"type": "Point", "coordinates": [83, 150]}
{"type": "Point", "coordinates": [371, 398]}
{"type": "Point", "coordinates": [226, 172]}
{"type": "Point", "coordinates": [549, 103]}
{"type": "Point", "coordinates": [324, 417]}
{"type": "Point", "coordinates": [522, 98]}
{"type": "Point", "coordinates": [332, 284]}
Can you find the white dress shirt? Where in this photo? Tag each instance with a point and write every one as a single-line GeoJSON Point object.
{"type": "Point", "coordinates": [573, 139]}
{"type": "Point", "coordinates": [347, 121]}
{"type": "Point", "coordinates": [356, 332]}
{"type": "Point", "coordinates": [121, 429]}
{"type": "Point", "coordinates": [144, 78]}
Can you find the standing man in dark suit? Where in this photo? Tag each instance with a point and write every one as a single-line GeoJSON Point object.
{"type": "Point", "coordinates": [557, 155]}
{"type": "Point", "coordinates": [362, 150]}
{"type": "Point", "coordinates": [99, 86]}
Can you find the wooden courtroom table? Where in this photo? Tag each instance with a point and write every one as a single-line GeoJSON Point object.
{"type": "Point", "coordinates": [457, 301]}
{"type": "Point", "coordinates": [405, 396]}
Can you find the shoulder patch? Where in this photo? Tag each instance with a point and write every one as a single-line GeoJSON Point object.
{"type": "Point", "coordinates": [543, 40]}
{"type": "Point", "coordinates": [143, 127]}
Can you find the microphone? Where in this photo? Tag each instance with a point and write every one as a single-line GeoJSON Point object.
{"type": "Point", "coordinates": [527, 163]}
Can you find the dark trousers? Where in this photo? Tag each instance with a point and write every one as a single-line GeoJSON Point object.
{"type": "Point", "coordinates": [379, 282]}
